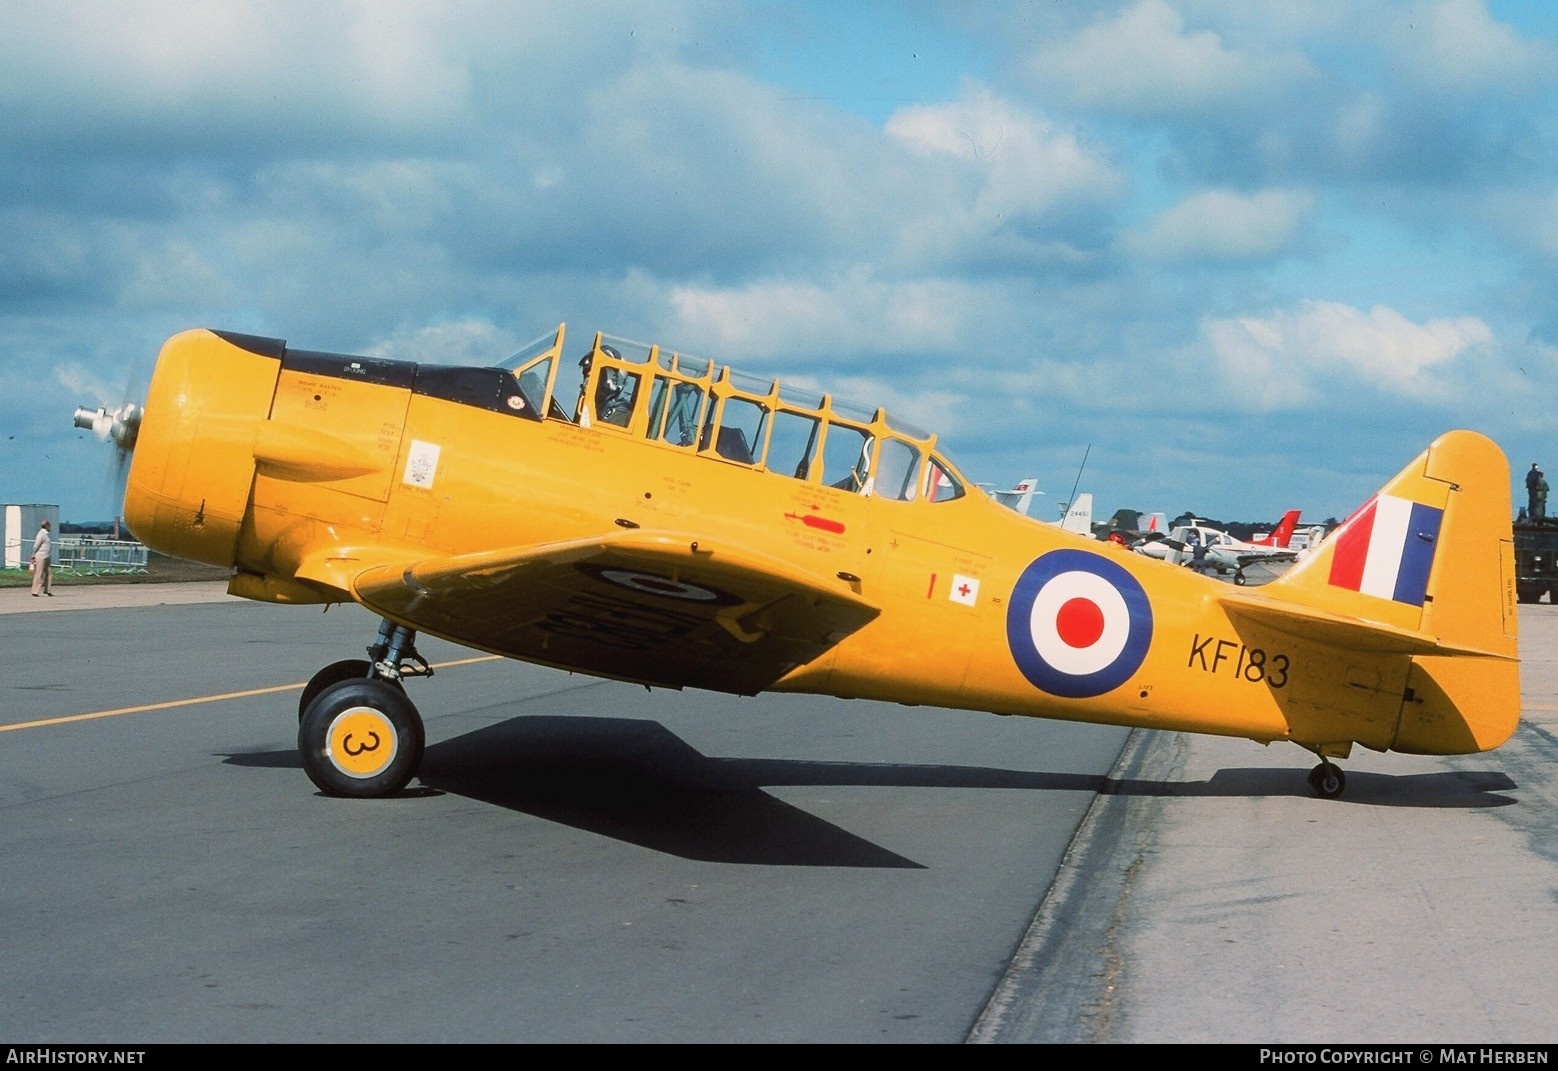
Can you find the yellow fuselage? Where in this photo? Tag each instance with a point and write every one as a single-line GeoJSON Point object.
{"type": "Point", "coordinates": [299, 477]}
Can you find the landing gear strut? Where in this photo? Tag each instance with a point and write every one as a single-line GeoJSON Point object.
{"type": "Point", "coordinates": [357, 732]}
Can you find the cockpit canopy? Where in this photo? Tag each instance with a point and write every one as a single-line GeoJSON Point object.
{"type": "Point", "coordinates": [1191, 534]}
{"type": "Point", "coordinates": [694, 404]}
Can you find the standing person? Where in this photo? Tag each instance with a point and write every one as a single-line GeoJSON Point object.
{"type": "Point", "coordinates": [1198, 562]}
{"type": "Point", "coordinates": [1533, 480]}
{"type": "Point", "coordinates": [42, 562]}
{"type": "Point", "coordinates": [1539, 506]}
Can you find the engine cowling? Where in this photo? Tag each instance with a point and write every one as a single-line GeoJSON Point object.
{"type": "Point", "coordinates": [190, 476]}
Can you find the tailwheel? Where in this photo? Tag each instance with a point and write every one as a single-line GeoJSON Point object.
{"type": "Point", "coordinates": [361, 739]}
{"type": "Point", "coordinates": [1327, 781]}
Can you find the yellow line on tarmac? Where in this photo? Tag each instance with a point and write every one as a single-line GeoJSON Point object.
{"type": "Point", "coordinates": [67, 719]}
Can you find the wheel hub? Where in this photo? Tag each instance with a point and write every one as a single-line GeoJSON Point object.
{"type": "Point", "coordinates": [361, 742]}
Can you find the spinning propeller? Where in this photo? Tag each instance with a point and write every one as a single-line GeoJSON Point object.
{"type": "Point", "coordinates": [121, 426]}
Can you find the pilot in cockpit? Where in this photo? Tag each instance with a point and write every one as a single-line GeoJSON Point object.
{"type": "Point", "coordinates": [612, 400]}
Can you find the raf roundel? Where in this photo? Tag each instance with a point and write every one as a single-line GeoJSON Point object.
{"type": "Point", "coordinates": [1078, 625]}
{"type": "Point", "coordinates": [664, 587]}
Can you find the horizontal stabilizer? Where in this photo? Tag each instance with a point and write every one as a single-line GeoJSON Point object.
{"type": "Point", "coordinates": [1353, 633]}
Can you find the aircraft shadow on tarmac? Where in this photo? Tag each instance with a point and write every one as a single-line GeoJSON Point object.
{"type": "Point", "coordinates": [638, 782]}
{"type": "Point", "coordinates": [1457, 789]}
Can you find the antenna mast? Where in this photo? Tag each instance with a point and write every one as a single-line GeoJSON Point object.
{"type": "Point", "coordinates": [1078, 482]}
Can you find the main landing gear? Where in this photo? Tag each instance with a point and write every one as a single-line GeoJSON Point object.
{"type": "Point", "coordinates": [357, 732]}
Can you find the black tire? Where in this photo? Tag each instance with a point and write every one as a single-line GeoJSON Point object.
{"type": "Point", "coordinates": [1327, 781]}
{"type": "Point", "coordinates": [361, 739]}
{"type": "Point", "coordinates": [345, 670]}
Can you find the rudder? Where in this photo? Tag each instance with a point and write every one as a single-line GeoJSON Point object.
{"type": "Point", "coordinates": [1433, 553]}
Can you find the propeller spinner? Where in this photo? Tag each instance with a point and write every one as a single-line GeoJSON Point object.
{"type": "Point", "coordinates": [121, 424]}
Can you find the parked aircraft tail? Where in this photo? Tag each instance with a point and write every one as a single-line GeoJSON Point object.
{"type": "Point", "coordinates": [1415, 591]}
{"type": "Point", "coordinates": [1019, 497]}
{"type": "Point", "coordinates": [1079, 515]}
{"type": "Point", "coordinates": [1282, 534]}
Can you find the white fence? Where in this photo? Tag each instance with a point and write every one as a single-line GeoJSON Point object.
{"type": "Point", "coordinates": [89, 555]}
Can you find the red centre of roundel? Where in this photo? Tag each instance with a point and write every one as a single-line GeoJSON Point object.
{"type": "Point", "coordinates": [1080, 622]}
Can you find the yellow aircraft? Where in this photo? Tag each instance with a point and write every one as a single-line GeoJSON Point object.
{"type": "Point", "coordinates": [652, 517]}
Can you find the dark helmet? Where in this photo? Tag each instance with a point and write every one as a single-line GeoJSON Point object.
{"type": "Point", "coordinates": [589, 358]}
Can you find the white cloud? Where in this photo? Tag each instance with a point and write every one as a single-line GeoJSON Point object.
{"type": "Point", "coordinates": [1361, 127]}
{"type": "Point", "coordinates": [942, 412]}
{"type": "Point", "coordinates": [1225, 225]}
{"type": "Point", "coordinates": [233, 72]}
{"type": "Point", "coordinates": [1315, 353]}
{"type": "Point", "coordinates": [459, 342]}
{"type": "Point", "coordinates": [1144, 61]}
{"type": "Point", "coordinates": [681, 155]}
{"type": "Point", "coordinates": [279, 78]}
{"type": "Point", "coordinates": [987, 182]}
{"type": "Point", "coordinates": [424, 178]}
{"type": "Point", "coordinates": [807, 321]}
{"type": "Point", "coordinates": [1026, 164]}
{"type": "Point", "coordinates": [391, 197]}
{"type": "Point", "coordinates": [170, 274]}
{"type": "Point", "coordinates": [1456, 46]}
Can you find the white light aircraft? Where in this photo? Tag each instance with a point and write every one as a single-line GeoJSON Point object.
{"type": "Point", "coordinates": [1225, 555]}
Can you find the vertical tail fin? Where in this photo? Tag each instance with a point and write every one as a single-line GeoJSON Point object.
{"type": "Point", "coordinates": [1433, 553]}
{"type": "Point", "coordinates": [1079, 515]}
{"type": "Point", "coordinates": [1282, 534]}
{"type": "Point", "coordinates": [1019, 497]}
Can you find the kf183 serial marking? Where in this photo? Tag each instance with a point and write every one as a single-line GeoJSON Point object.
{"type": "Point", "coordinates": [652, 517]}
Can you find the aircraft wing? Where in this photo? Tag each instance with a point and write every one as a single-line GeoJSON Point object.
{"type": "Point", "coordinates": [1274, 556]}
{"type": "Point", "coordinates": [1149, 544]}
{"type": "Point", "coordinates": [656, 608]}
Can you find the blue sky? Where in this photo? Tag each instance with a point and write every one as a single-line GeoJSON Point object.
{"type": "Point", "coordinates": [1243, 256]}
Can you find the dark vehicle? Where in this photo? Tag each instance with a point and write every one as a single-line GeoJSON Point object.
{"type": "Point", "coordinates": [1536, 559]}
